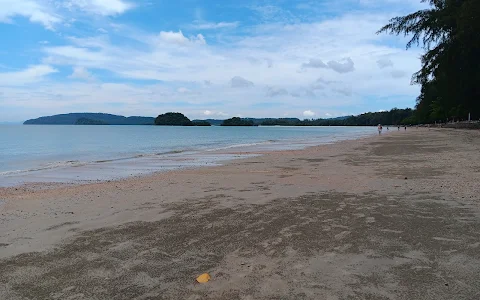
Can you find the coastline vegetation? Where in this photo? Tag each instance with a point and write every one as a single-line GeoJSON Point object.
{"type": "Point", "coordinates": [173, 119]}
{"type": "Point", "coordinates": [448, 31]}
{"type": "Point", "coordinates": [236, 121]}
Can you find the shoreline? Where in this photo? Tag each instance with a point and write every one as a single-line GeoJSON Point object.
{"type": "Point", "coordinates": [73, 171]}
{"type": "Point", "coordinates": [392, 216]}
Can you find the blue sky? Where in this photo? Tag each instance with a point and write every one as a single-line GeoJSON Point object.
{"type": "Point", "coordinates": [207, 59]}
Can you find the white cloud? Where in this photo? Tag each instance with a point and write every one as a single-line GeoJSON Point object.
{"type": "Point", "coordinates": [328, 115]}
{"type": "Point", "coordinates": [51, 13]}
{"type": "Point", "coordinates": [81, 73]}
{"type": "Point", "coordinates": [35, 11]}
{"type": "Point", "coordinates": [273, 13]}
{"type": "Point", "coordinates": [308, 113]}
{"type": "Point", "coordinates": [210, 113]}
{"type": "Point", "coordinates": [314, 63]}
{"type": "Point", "coordinates": [100, 7]}
{"type": "Point", "coordinates": [276, 91]}
{"type": "Point", "coordinates": [240, 82]}
{"type": "Point", "coordinates": [384, 63]}
{"type": "Point", "coordinates": [179, 39]}
{"type": "Point", "coordinates": [102, 30]}
{"type": "Point", "coordinates": [30, 75]}
{"type": "Point", "coordinates": [344, 66]}
{"type": "Point", "coordinates": [320, 84]}
{"type": "Point", "coordinates": [210, 25]}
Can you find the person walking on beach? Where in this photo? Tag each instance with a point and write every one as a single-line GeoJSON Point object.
{"type": "Point", "coordinates": [405, 128]}
{"type": "Point", "coordinates": [379, 129]}
{"type": "Point", "coordinates": [398, 127]}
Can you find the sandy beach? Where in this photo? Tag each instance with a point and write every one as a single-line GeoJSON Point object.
{"type": "Point", "coordinates": [395, 216]}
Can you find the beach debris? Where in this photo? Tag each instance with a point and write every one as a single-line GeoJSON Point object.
{"type": "Point", "coordinates": [204, 278]}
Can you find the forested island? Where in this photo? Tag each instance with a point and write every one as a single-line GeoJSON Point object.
{"type": "Point", "coordinates": [177, 119]}
{"type": "Point", "coordinates": [236, 121]}
{"type": "Point", "coordinates": [173, 119]}
{"type": "Point", "coordinates": [90, 119]}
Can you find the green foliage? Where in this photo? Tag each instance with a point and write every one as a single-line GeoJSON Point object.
{"type": "Point", "coordinates": [85, 121]}
{"type": "Point", "coordinates": [450, 72]}
{"type": "Point", "coordinates": [392, 117]}
{"type": "Point", "coordinates": [235, 121]}
{"type": "Point", "coordinates": [409, 121]}
{"type": "Point", "coordinates": [281, 122]}
{"type": "Point", "coordinates": [201, 123]}
{"type": "Point", "coordinates": [173, 119]}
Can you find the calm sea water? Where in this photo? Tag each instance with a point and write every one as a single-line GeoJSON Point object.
{"type": "Point", "coordinates": [34, 152]}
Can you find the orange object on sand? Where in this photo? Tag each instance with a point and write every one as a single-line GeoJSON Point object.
{"type": "Point", "coordinates": [203, 278]}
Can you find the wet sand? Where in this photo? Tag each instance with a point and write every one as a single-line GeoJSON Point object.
{"type": "Point", "coordinates": [389, 217]}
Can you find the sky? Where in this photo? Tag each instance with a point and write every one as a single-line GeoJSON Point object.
{"type": "Point", "coordinates": [206, 59]}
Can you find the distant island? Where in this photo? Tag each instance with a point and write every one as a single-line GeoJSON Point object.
{"type": "Point", "coordinates": [90, 119]}
{"type": "Point", "coordinates": [85, 121]}
{"type": "Point", "coordinates": [173, 119]}
{"type": "Point", "coordinates": [236, 121]}
{"type": "Point", "coordinates": [178, 119]}
{"type": "Point", "coordinates": [393, 117]}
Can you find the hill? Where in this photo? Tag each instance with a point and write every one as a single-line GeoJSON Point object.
{"type": "Point", "coordinates": [236, 121]}
{"type": "Point", "coordinates": [72, 118]}
{"type": "Point", "coordinates": [173, 119]}
{"type": "Point", "coordinates": [85, 121]}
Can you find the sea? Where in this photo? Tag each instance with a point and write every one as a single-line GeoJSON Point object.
{"type": "Point", "coordinates": [69, 153]}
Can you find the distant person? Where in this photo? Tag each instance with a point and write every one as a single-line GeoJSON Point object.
{"type": "Point", "coordinates": [405, 128]}
{"type": "Point", "coordinates": [387, 128]}
{"type": "Point", "coordinates": [398, 127]}
{"type": "Point", "coordinates": [379, 129]}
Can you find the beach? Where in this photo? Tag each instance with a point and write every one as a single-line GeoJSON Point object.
{"type": "Point", "coordinates": [395, 216]}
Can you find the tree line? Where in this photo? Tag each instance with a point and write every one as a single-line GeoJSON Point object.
{"type": "Point", "coordinates": [393, 117]}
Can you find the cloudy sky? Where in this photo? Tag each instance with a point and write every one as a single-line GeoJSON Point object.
{"type": "Point", "coordinates": [207, 59]}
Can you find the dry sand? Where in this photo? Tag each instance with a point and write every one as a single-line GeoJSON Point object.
{"type": "Point", "coordinates": [389, 217]}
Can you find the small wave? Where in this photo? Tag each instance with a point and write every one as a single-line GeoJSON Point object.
{"type": "Point", "coordinates": [76, 163]}
{"type": "Point", "coordinates": [241, 145]}
{"type": "Point", "coordinates": [171, 152]}
{"type": "Point", "coordinates": [47, 166]}
{"type": "Point", "coordinates": [116, 159]}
